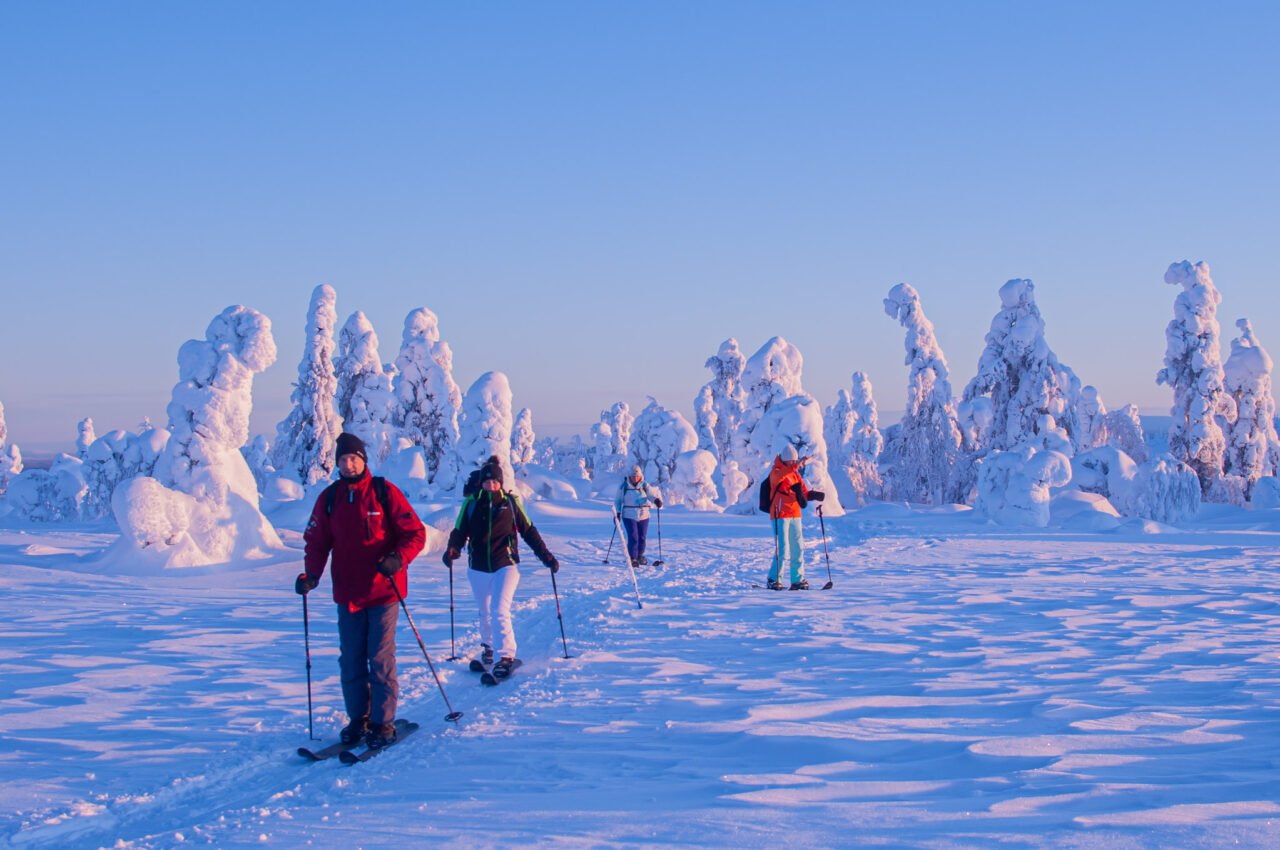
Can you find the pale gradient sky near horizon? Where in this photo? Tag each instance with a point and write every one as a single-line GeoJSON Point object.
{"type": "Point", "coordinates": [592, 196]}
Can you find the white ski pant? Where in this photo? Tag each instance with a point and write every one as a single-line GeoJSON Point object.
{"type": "Point", "coordinates": [790, 546]}
{"type": "Point", "coordinates": [494, 592]}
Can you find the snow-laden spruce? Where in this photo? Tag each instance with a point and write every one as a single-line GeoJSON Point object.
{"type": "Point", "coordinates": [1253, 447]}
{"type": "Point", "coordinates": [772, 374]}
{"type": "Point", "coordinates": [257, 454]}
{"type": "Point", "coordinates": [1098, 426]}
{"type": "Point", "coordinates": [485, 425]}
{"type": "Point", "coordinates": [50, 495]}
{"type": "Point", "coordinates": [1202, 407]}
{"type": "Point", "coordinates": [427, 398]}
{"type": "Point", "coordinates": [1014, 485]}
{"type": "Point", "coordinates": [523, 439]}
{"type": "Point", "coordinates": [658, 437]}
{"type": "Point", "coordinates": [306, 438]}
{"type": "Point", "coordinates": [10, 456]}
{"type": "Point", "coordinates": [85, 436]}
{"type": "Point", "coordinates": [851, 427]}
{"type": "Point", "coordinates": [610, 443]}
{"type": "Point", "coordinates": [1025, 393]}
{"type": "Point", "coordinates": [365, 401]}
{"type": "Point", "coordinates": [114, 458]}
{"type": "Point", "coordinates": [693, 481]}
{"type": "Point", "coordinates": [202, 505]}
{"type": "Point", "coordinates": [921, 451]}
{"type": "Point", "coordinates": [719, 405]}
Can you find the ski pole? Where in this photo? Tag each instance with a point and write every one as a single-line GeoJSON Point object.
{"type": "Point", "coordinates": [823, 523]}
{"type": "Point", "coordinates": [453, 647]}
{"type": "Point", "coordinates": [630, 565]}
{"type": "Point", "coordinates": [306, 636]}
{"type": "Point", "coordinates": [658, 562]}
{"type": "Point", "coordinates": [612, 534]}
{"type": "Point", "coordinates": [452, 715]}
{"type": "Point", "coordinates": [564, 642]}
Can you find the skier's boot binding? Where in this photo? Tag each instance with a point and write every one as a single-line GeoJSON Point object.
{"type": "Point", "coordinates": [382, 735]}
{"type": "Point", "coordinates": [774, 584]}
{"type": "Point", "coordinates": [502, 669]}
{"type": "Point", "coordinates": [354, 732]}
{"type": "Point", "coordinates": [486, 654]}
{"type": "Point", "coordinates": [800, 585]}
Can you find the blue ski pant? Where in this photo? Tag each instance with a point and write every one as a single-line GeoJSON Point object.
{"type": "Point", "coordinates": [789, 546]}
{"type": "Point", "coordinates": [637, 533]}
{"type": "Point", "coordinates": [367, 662]}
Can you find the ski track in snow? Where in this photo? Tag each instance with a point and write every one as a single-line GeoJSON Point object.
{"type": "Point", "coordinates": [959, 686]}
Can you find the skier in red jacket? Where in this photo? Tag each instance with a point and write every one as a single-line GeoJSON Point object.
{"type": "Point", "coordinates": [372, 533]}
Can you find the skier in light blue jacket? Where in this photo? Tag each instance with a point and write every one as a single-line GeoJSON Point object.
{"type": "Point", "coordinates": [632, 506]}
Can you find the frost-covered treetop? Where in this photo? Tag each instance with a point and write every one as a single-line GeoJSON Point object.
{"type": "Point", "coordinates": [4, 429]}
{"type": "Point", "coordinates": [727, 363]}
{"type": "Point", "coordinates": [1249, 361]}
{"type": "Point", "coordinates": [923, 353]}
{"type": "Point", "coordinates": [774, 372]}
{"type": "Point", "coordinates": [211, 403]}
{"type": "Point", "coordinates": [921, 343]}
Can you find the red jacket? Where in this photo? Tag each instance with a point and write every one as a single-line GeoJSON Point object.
{"type": "Point", "coordinates": [787, 493]}
{"type": "Point", "coordinates": [359, 536]}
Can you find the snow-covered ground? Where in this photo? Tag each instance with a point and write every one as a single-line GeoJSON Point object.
{"type": "Point", "coordinates": [959, 686]}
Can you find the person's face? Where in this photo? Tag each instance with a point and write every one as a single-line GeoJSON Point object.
{"type": "Point", "coordinates": [493, 485]}
{"type": "Point", "coordinates": [635, 478]}
{"type": "Point", "coordinates": [351, 466]}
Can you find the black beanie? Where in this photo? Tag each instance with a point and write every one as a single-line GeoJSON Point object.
{"type": "Point", "coordinates": [350, 444]}
{"type": "Point", "coordinates": [491, 470]}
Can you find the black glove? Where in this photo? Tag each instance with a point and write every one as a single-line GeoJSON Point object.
{"type": "Point", "coordinates": [391, 564]}
{"type": "Point", "coordinates": [449, 556]}
{"type": "Point", "coordinates": [554, 566]}
{"type": "Point", "coordinates": [617, 516]}
{"type": "Point", "coordinates": [304, 584]}
{"type": "Point", "coordinates": [658, 502]}
{"type": "Point", "coordinates": [816, 496]}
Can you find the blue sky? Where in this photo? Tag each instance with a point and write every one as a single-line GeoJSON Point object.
{"type": "Point", "coordinates": [592, 196]}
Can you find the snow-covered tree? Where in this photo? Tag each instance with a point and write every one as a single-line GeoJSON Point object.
{"type": "Point", "coordinates": [692, 481]}
{"type": "Point", "coordinates": [1202, 407]}
{"type": "Point", "coordinates": [1165, 490]}
{"type": "Point", "coordinates": [1021, 378]}
{"type": "Point", "coordinates": [720, 403]}
{"type": "Point", "coordinates": [657, 438]}
{"type": "Point", "coordinates": [365, 401]}
{"type": "Point", "coordinates": [257, 455]}
{"type": "Point", "coordinates": [523, 439]}
{"type": "Point", "coordinates": [10, 456]}
{"type": "Point", "coordinates": [202, 505]}
{"type": "Point", "coordinates": [85, 437]}
{"type": "Point", "coordinates": [485, 425]}
{"type": "Point", "coordinates": [306, 438]}
{"type": "Point", "coordinates": [104, 469]}
{"type": "Point", "coordinates": [1124, 432]}
{"type": "Point", "coordinates": [1253, 447]}
{"type": "Point", "coordinates": [854, 442]}
{"type": "Point", "coordinates": [1014, 485]}
{"type": "Point", "coordinates": [921, 451]}
{"type": "Point", "coordinates": [611, 440]}
{"type": "Point", "coordinates": [427, 398]}
{"type": "Point", "coordinates": [50, 495]}
{"type": "Point", "coordinates": [772, 375]}
{"type": "Point", "coordinates": [10, 465]}
{"type": "Point", "coordinates": [1091, 413]}
{"type": "Point", "coordinates": [734, 482]}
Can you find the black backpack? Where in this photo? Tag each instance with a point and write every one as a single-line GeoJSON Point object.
{"type": "Point", "coordinates": [765, 495]}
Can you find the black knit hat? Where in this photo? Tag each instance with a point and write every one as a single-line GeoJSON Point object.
{"type": "Point", "coordinates": [491, 470]}
{"type": "Point", "coordinates": [350, 444]}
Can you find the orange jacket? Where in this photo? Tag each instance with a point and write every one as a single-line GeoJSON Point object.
{"type": "Point", "coordinates": [787, 489]}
